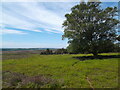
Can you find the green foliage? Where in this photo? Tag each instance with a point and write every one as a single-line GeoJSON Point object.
{"type": "Point", "coordinates": [61, 51]}
{"type": "Point", "coordinates": [102, 73]}
{"type": "Point", "coordinates": [56, 51]}
{"type": "Point", "coordinates": [117, 47]}
{"type": "Point", "coordinates": [90, 27]}
{"type": "Point", "coordinates": [47, 51]}
{"type": "Point", "coordinates": [118, 37]}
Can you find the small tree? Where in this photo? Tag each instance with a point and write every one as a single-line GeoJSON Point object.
{"type": "Point", "coordinates": [90, 28]}
{"type": "Point", "coordinates": [48, 51]}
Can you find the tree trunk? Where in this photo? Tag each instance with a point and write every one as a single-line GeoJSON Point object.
{"type": "Point", "coordinates": [95, 53]}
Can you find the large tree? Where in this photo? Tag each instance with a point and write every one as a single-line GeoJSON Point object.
{"type": "Point", "coordinates": [90, 28]}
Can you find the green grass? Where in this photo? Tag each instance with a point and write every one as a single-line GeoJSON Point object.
{"type": "Point", "coordinates": [101, 73]}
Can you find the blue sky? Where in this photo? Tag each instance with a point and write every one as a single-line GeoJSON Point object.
{"type": "Point", "coordinates": [35, 24]}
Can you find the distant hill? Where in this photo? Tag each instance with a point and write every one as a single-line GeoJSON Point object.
{"type": "Point", "coordinates": [18, 49]}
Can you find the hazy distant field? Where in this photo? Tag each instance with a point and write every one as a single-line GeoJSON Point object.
{"type": "Point", "coordinates": [18, 54]}
{"type": "Point", "coordinates": [64, 71]}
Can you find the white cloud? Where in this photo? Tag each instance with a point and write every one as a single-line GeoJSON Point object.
{"type": "Point", "coordinates": [37, 30]}
{"type": "Point", "coordinates": [54, 31]}
{"type": "Point", "coordinates": [31, 16]}
{"type": "Point", "coordinates": [55, 0]}
{"type": "Point", "coordinates": [40, 13]}
{"type": "Point", "coordinates": [7, 31]}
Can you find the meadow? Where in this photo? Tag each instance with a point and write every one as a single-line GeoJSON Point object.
{"type": "Point", "coordinates": [60, 71]}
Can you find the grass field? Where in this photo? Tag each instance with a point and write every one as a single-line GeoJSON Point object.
{"type": "Point", "coordinates": [62, 71]}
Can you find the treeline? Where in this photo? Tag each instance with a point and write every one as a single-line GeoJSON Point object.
{"type": "Point", "coordinates": [56, 51]}
{"type": "Point", "coordinates": [69, 50]}
{"type": "Point", "coordinates": [110, 47]}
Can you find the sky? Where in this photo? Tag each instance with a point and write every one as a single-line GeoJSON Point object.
{"type": "Point", "coordinates": [35, 24]}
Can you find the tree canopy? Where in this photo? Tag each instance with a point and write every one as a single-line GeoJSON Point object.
{"type": "Point", "coordinates": [90, 28]}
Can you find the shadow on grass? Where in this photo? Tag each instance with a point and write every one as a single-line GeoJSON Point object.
{"type": "Point", "coordinates": [83, 58]}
